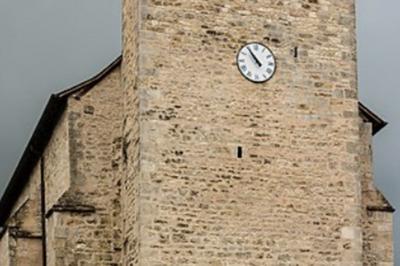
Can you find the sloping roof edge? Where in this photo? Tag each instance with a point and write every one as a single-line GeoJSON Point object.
{"type": "Point", "coordinates": [40, 138]}
{"type": "Point", "coordinates": [377, 123]}
{"type": "Point", "coordinates": [386, 206]}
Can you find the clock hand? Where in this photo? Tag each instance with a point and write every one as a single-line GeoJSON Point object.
{"type": "Point", "coordinates": [254, 57]}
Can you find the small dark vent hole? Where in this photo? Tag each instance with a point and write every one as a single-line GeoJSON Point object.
{"type": "Point", "coordinates": [296, 52]}
{"type": "Point", "coordinates": [239, 152]}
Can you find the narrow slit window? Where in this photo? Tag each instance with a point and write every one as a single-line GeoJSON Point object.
{"type": "Point", "coordinates": [296, 52]}
{"type": "Point", "coordinates": [239, 152]}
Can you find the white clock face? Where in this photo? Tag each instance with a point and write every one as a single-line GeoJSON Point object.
{"type": "Point", "coordinates": [256, 62]}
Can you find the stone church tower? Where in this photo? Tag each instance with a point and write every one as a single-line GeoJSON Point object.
{"type": "Point", "coordinates": [171, 157]}
{"type": "Point", "coordinates": [295, 195]}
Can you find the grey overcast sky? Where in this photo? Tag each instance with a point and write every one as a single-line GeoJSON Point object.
{"type": "Point", "coordinates": [48, 45]}
{"type": "Point", "coordinates": [379, 88]}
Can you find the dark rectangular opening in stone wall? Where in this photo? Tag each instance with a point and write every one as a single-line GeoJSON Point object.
{"type": "Point", "coordinates": [239, 152]}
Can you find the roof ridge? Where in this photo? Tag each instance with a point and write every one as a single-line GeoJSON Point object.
{"type": "Point", "coordinates": [89, 83]}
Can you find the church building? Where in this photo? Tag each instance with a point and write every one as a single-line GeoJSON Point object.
{"type": "Point", "coordinates": [228, 133]}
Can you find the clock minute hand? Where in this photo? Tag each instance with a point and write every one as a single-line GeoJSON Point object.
{"type": "Point", "coordinates": [254, 57]}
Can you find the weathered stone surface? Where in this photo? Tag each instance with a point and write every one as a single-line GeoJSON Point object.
{"type": "Point", "coordinates": [21, 242]}
{"type": "Point", "coordinates": [82, 187]}
{"type": "Point", "coordinates": [57, 156]}
{"type": "Point", "coordinates": [85, 228]}
{"type": "Point", "coordinates": [377, 216]}
{"type": "Point", "coordinates": [144, 168]}
{"type": "Point", "coordinates": [298, 185]}
{"type": "Point", "coordinates": [5, 249]}
{"type": "Point", "coordinates": [131, 140]}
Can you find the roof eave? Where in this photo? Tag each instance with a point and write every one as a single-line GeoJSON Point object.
{"type": "Point", "coordinates": [377, 123]}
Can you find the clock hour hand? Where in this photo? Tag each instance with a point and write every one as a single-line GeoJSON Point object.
{"type": "Point", "coordinates": [254, 57]}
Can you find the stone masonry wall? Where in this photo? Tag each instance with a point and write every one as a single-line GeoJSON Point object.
{"type": "Point", "coordinates": [82, 184]}
{"type": "Point", "coordinates": [378, 239]}
{"type": "Point", "coordinates": [5, 249]}
{"type": "Point", "coordinates": [143, 168]}
{"type": "Point", "coordinates": [26, 214]}
{"type": "Point", "coordinates": [85, 227]}
{"type": "Point", "coordinates": [27, 251]}
{"type": "Point", "coordinates": [57, 180]}
{"type": "Point", "coordinates": [82, 173]}
{"type": "Point", "coordinates": [377, 213]}
{"type": "Point", "coordinates": [130, 171]}
{"type": "Point", "coordinates": [295, 196]}
{"type": "Point", "coordinates": [56, 156]}
{"type": "Point", "coordinates": [24, 232]}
